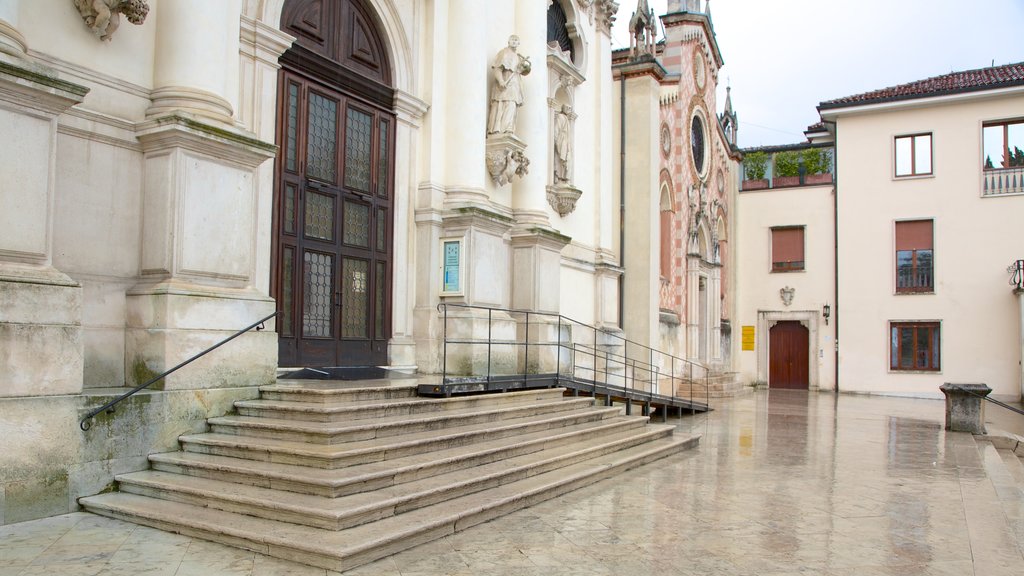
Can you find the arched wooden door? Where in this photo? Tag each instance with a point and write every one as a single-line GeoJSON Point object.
{"type": "Point", "coordinates": [335, 189]}
{"type": "Point", "coordinates": [788, 365]}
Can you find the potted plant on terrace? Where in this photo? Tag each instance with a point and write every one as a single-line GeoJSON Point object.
{"type": "Point", "coordinates": [755, 165]}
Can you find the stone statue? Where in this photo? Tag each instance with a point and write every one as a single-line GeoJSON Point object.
{"type": "Point", "coordinates": [563, 144]}
{"type": "Point", "coordinates": [507, 96]}
{"type": "Point", "coordinates": [103, 16]}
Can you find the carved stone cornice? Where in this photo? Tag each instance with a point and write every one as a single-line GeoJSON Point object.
{"type": "Point", "coordinates": [606, 11]}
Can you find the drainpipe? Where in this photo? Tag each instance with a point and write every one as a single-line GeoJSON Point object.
{"type": "Point", "coordinates": [622, 199]}
{"type": "Point", "coordinates": [835, 247]}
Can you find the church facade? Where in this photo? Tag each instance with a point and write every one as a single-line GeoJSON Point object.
{"type": "Point", "coordinates": [186, 168]}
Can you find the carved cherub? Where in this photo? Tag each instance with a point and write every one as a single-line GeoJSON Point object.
{"type": "Point", "coordinates": [103, 16]}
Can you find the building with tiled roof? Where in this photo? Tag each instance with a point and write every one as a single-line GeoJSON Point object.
{"type": "Point", "coordinates": [992, 78]}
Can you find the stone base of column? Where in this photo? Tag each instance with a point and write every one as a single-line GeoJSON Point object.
{"type": "Point", "coordinates": [179, 99]}
{"type": "Point", "coordinates": [40, 332]}
{"type": "Point", "coordinates": [170, 322]}
{"type": "Point", "coordinates": [536, 269]}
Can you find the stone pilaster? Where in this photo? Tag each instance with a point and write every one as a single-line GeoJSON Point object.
{"type": "Point", "coordinates": [641, 245]}
{"type": "Point", "coordinates": [41, 349]}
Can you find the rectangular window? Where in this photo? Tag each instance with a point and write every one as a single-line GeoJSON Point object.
{"type": "Point", "coordinates": [914, 155]}
{"type": "Point", "coordinates": [914, 346]}
{"type": "Point", "coordinates": [1004, 145]}
{"type": "Point", "coordinates": [914, 257]}
{"type": "Point", "coordinates": [787, 249]}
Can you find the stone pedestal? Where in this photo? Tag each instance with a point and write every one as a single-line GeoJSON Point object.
{"type": "Point", "coordinates": [41, 350]}
{"type": "Point", "coordinates": [965, 412]}
{"type": "Point", "coordinates": [481, 342]}
{"type": "Point", "coordinates": [198, 261]}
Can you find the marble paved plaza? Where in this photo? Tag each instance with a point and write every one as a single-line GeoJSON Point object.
{"type": "Point", "coordinates": [783, 484]}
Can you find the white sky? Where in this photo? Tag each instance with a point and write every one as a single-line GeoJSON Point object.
{"type": "Point", "coordinates": [783, 57]}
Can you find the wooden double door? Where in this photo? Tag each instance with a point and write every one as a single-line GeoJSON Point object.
{"type": "Point", "coordinates": [788, 356]}
{"type": "Point", "coordinates": [333, 231]}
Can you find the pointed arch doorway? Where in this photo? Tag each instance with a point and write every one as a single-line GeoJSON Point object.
{"type": "Point", "coordinates": [334, 187]}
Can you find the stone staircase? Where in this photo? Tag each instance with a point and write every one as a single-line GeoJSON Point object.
{"type": "Point", "coordinates": [338, 474]}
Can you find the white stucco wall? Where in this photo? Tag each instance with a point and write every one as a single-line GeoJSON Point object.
{"type": "Point", "coordinates": [975, 238]}
{"type": "Point", "coordinates": [758, 298]}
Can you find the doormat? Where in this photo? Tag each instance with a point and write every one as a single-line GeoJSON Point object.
{"type": "Point", "coordinates": [346, 373]}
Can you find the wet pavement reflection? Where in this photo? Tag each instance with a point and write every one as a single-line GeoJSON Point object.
{"type": "Point", "coordinates": [784, 483]}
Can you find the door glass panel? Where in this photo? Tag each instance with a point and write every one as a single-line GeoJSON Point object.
{"type": "Point", "coordinates": [380, 290]}
{"type": "Point", "coordinates": [287, 291]}
{"type": "Point", "coordinates": [357, 225]}
{"type": "Point", "coordinates": [993, 143]}
{"type": "Point", "coordinates": [322, 137]}
{"type": "Point", "coordinates": [354, 298]}
{"type": "Point", "coordinates": [383, 161]}
{"type": "Point", "coordinates": [289, 208]}
{"type": "Point", "coordinates": [290, 155]}
{"type": "Point", "coordinates": [382, 229]}
{"type": "Point", "coordinates": [319, 216]}
{"type": "Point", "coordinates": [318, 279]}
{"type": "Point", "coordinates": [358, 140]}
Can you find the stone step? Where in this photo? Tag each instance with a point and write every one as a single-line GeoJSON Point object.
{"type": "Point", "coordinates": [345, 549]}
{"type": "Point", "coordinates": [1008, 490]}
{"type": "Point", "coordinates": [336, 433]}
{"type": "Point", "coordinates": [378, 449]}
{"type": "Point", "coordinates": [334, 391]}
{"type": "Point", "coordinates": [385, 408]}
{"type": "Point", "coordinates": [352, 510]}
{"type": "Point", "coordinates": [373, 475]}
{"type": "Point", "coordinates": [1014, 466]}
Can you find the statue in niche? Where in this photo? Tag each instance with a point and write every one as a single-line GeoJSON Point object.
{"type": "Point", "coordinates": [103, 16]}
{"type": "Point", "coordinates": [507, 96]}
{"type": "Point", "coordinates": [563, 144]}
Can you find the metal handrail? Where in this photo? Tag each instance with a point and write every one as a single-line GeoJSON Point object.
{"type": "Point", "coordinates": [86, 423]}
{"type": "Point", "coordinates": [992, 400]}
{"type": "Point", "coordinates": [596, 353]}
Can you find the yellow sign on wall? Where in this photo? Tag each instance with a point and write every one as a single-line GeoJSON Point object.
{"type": "Point", "coordinates": [748, 338]}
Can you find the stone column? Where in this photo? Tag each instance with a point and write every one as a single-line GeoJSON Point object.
{"type": "Point", "coordinates": [466, 105]}
{"type": "Point", "coordinates": [529, 193]}
{"type": "Point", "coordinates": [196, 64]}
{"type": "Point", "coordinates": [12, 43]}
{"type": "Point", "coordinates": [200, 212]}
{"type": "Point", "coordinates": [41, 350]}
{"type": "Point", "coordinates": [693, 307]}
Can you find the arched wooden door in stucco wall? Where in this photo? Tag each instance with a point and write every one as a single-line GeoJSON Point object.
{"type": "Point", "coordinates": [788, 356]}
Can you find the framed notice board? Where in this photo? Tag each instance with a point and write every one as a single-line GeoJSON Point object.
{"type": "Point", "coordinates": [748, 338]}
{"type": "Point", "coordinates": [451, 267]}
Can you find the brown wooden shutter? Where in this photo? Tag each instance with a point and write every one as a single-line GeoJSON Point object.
{"type": "Point", "coordinates": [914, 235]}
{"type": "Point", "coordinates": [788, 244]}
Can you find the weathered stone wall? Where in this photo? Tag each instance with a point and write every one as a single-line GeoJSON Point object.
{"type": "Point", "coordinates": [47, 462]}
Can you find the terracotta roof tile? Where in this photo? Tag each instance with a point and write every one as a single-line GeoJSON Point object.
{"type": "Point", "coordinates": [955, 82]}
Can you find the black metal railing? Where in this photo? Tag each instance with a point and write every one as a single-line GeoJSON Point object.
{"type": "Point", "coordinates": [522, 348]}
{"type": "Point", "coordinates": [86, 422]}
{"type": "Point", "coordinates": [1016, 271]}
{"type": "Point", "coordinates": [992, 400]}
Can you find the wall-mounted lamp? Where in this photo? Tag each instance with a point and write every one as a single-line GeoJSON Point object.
{"type": "Point", "coordinates": [826, 311]}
